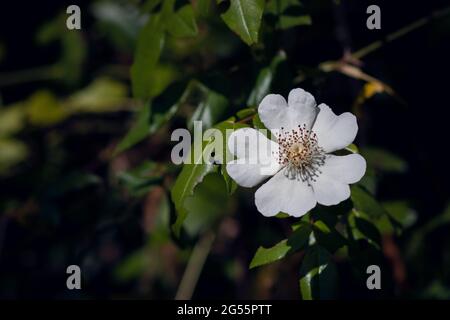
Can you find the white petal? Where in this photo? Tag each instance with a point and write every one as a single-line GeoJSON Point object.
{"type": "Point", "coordinates": [303, 107]}
{"type": "Point", "coordinates": [281, 194]}
{"type": "Point", "coordinates": [334, 132]}
{"type": "Point", "coordinates": [257, 157]}
{"type": "Point", "coordinates": [249, 175]}
{"type": "Point", "coordinates": [275, 113]}
{"type": "Point", "coordinates": [331, 187]}
{"type": "Point", "coordinates": [328, 191]}
{"type": "Point", "coordinates": [346, 169]}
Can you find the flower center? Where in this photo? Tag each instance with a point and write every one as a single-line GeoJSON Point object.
{"type": "Point", "coordinates": [300, 154]}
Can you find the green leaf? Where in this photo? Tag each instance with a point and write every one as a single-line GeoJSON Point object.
{"type": "Point", "coordinates": [203, 7]}
{"type": "Point", "coordinates": [244, 113]}
{"type": "Point", "coordinates": [297, 241]}
{"type": "Point", "coordinates": [353, 148]}
{"type": "Point", "coordinates": [102, 95]}
{"type": "Point", "coordinates": [149, 119]}
{"type": "Point", "coordinates": [190, 176]}
{"type": "Point", "coordinates": [368, 207]}
{"type": "Point", "coordinates": [149, 5]}
{"type": "Point", "coordinates": [327, 236]}
{"type": "Point", "coordinates": [44, 109]}
{"type": "Point", "coordinates": [244, 18]}
{"type": "Point", "coordinates": [230, 183]}
{"type": "Point", "coordinates": [364, 229]}
{"type": "Point", "coordinates": [264, 80]}
{"type": "Point", "coordinates": [12, 152]}
{"type": "Point", "coordinates": [287, 22]}
{"type": "Point", "coordinates": [257, 123]}
{"type": "Point", "coordinates": [210, 105]}
{"type": "Point", "coordinates": [383, 160]}
{"type": "Point", "coordinates": [182, 22]}
{"type": "Point", "coordinates": [139, 180]}
{"type": "Point", "coordinates": [149, 46]}
{"type": "Point", "coordinates": [12, 119]}
{"type": "Point", "coordinates": [366, 203]}
{"type": "Point", "coordinates": [207, 205]}
{"type": "Point", "coordinates": [318, 274]}
{"type": "Point", "coordinates": [193, 174]}
{"type": "Point", "coordinates": [277, 7]}
{"type": "Point", "coordinates": [138, 131]}
{"type": "Point", "coordinates": [289, 13]}
{"type": "Point", "coordinates": [401, 212]}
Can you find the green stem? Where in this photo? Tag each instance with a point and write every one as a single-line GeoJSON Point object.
{"type": "Point", "coordinates": [51, 72]}
{"type": "Point", "coordinates": [195, 267]}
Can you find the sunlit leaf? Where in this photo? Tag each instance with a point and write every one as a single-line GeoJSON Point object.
{"type": "Point", "coordinates": [297, 241]}
{"type": "Point", "coordinates": [12, 119]}
{"type": "Point", "coordinates": [44, 109]}
{"type": "Point", "coordinates": [102, 95]}
{"type": "Point", "coordinates": [12, 152]}
{"type": "Point", "coordinates": [244, 18]}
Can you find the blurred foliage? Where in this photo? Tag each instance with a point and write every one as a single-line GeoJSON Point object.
{"type": "Point", "coordinates": [86, 176]}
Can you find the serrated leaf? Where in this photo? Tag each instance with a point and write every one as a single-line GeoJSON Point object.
{"type": "Point", "coordinates": [244, 18]}
{"type": "Point", "coordinates": [182, 22]}
{"type": "Point", "coordinates": [297, 240]}
{"type": "Point", "coordinates": [149, 46]}
{"type": "Point", "coordinates": [317, 274]}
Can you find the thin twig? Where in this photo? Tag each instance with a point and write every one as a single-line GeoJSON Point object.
{"type": "Point", "coordinates": [43, 73]}
{"type": "Point", "coordinates": [195, 267]}
{"type": "Point", "coordinates": [400, 33]}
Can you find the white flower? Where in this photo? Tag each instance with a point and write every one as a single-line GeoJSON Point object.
{"type": "Point", "coordinates": [304, 170]}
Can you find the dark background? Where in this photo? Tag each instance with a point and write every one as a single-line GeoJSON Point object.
{"type": "Point", "coordinates": [98, 227]}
